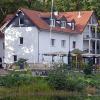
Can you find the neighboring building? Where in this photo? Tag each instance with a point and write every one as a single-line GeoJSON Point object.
{"type": "Point", "coordinates": [29, 34]}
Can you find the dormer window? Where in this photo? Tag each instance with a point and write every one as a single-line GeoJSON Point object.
{"type": "Point", "coordinates": [63, 24]}
{"type": "Point", "coordinates": [73, 25]}
{"type": "Point", "coordinates": [52, 22]}
{"type": "Point", "coordinates": [21, 20]}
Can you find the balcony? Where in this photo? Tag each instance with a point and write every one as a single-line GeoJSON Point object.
{"type": "Point", "coordinates": [88, 37]}
{"type": "Point", "coordinates": [98, 51]}
{"type": "Point", "coordinates": [87, 51]}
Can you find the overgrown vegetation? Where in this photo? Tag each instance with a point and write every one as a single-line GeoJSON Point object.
{"type": "Point", "coordinates": [59, 79]}
{"type": "Point", "coordinates": [62, 79]}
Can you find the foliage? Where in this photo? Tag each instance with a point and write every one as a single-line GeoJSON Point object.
{"type": "Point", "coordinates": [20, 64]}
{"type": "Point", "coordinates": [88, 68]}
{"type": "Point", "coordinates": [16, 79]}
{"type": "Point", "coordinates": [62, 79]}
{"type": "Point", "coordinates": [57, 77]}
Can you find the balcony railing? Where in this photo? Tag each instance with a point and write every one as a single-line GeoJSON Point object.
{"type": "Point", "coordinates": [87, 36]}
{"type": "Point", "coordinates": [91, 51]}
{"type": "Point", "coordinates": [98, 51]}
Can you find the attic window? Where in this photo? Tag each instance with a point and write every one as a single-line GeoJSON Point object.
{"type": "Point", "coordinates": [52, 22]}
{"type": "Point", "coordinates": [63, 24]}
{"type": "Point", "coordinates": [21, 20]}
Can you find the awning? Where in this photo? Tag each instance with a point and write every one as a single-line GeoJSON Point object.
{"type": "Point", "coordinates": [60, 53]}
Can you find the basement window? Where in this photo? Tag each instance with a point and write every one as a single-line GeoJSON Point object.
{"type": "Point", "coordinates": [15, 57]}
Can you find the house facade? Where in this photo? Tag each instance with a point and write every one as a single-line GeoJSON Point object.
{"type": "Point", "coordinates": [32, 34]}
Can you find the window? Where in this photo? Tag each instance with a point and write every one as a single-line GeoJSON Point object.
{"type": "Point", "coordinates": [52, 22]}
{"type": "Point", "coordinates": [15, 57]}
{"type": "Point", "coordinates": [73, 26]}
{"type": "Point", "coordinates": [21, 40]}
{"type": "Point", "coordinates": [63, 43]}
{"type": "Point", "coordinates": [52, 42]}
{"type": "Point", "coordinates": [63, 24]}
{"type": "Point", "coordinates": [74, 44]}
{"type": "Point", "coordinates": [21, 20]}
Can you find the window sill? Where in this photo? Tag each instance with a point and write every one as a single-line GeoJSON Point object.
{"type": "Point", "coordinates": [52, 46]}
{"type": "Point", "coordinates": [20, 44]}
{"type": "Point", "coordinates": [64, 47]}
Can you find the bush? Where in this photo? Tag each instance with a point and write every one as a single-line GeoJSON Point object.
{"type": "Point", "coordinates": [16, 79]}
{"type": "Point", "coordinates": [21, 63]}
{"type": "Point", "coordinates": [88, 70]}
{"type": "Point", "coordinates": [57, 77]}
{"type": "Point", "coordinates": [61, 79]}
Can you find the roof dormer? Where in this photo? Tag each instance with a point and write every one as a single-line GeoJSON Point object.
{"type": "Point", "coordinates": [63, 24]}
{"type": "Point", "coordinates": [63, 21]}
{"type": "Point", "coordinates": [73, 24]}
{"type": "Point", "coordinates": [53, 21]}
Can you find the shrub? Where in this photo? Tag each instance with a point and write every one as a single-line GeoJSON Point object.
{"type": "Point", "coordinates": [16, 79]}
{"type": "Point", "coordinates": [61, 79]}
{"type": "Point", "coordinates": [21, 63]}
{"type": "Point", "coordinates": [88, 70]}
{"type": "Point", "coordinates": [74, 83]}
{"type": "Point", "coordinates": [57, 77]}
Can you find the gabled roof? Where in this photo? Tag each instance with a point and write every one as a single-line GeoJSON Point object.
{"type": "Point", "coordinates": [37, 18]}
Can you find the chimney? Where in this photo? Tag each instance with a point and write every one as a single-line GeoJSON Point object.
{"type": "Point", "coordinates": [56, 13]}
{"type": "Point", "coordinates": [79, 14]}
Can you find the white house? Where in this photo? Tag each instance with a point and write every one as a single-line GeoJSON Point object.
{"type": "Point", "coordinates": [32, 34]}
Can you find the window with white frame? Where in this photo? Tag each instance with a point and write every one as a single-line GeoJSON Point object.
{"type": "Point", "coordinates": [52, 22]}
{"type": "Point", "coordinates": [52, 42]}
{"type": "Point", "coordinates": [73, 26]}
{"type": "Point", "coordinates": [74, 44]}
{"type": "Point", "coordinates": [15, 57]}
{"type": "Point", "coordinates": [21, 40]}
{"type": "Point", "coordinates": [21, 20]}
{"type": "Point", "coordinates": [63, 24]}
{"type": "Point", "coordinates": [63, 43]}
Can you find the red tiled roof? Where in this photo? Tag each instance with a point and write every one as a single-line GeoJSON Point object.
{"type": "Point", "coordinates": [80, 23]}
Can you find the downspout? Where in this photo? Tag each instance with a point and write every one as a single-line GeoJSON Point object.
{"type": "Point", "coordinates": [38, 47]}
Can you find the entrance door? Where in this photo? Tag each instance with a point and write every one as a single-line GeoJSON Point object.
{"type": "Point", "coordinates": [0, 62]}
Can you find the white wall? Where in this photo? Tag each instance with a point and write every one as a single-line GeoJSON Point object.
{"type": "Point", "coordinates": [44, 43]}
{"type": "Point", "coordinates": [13, 47]}
{"type": "Point", "coordinates": [31, 50]}
{"type": "Point", "coordinates": [87, 30]}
